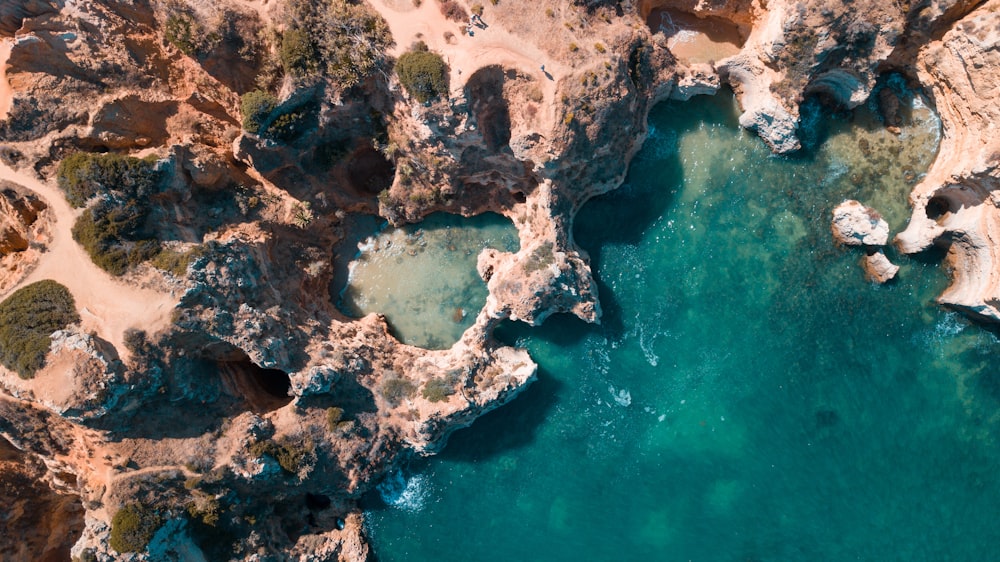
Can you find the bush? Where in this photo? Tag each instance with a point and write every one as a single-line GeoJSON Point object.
{"type": "Point", "coordinates": [454, 11]}
{"type": "Point", "coordinates": [477, 9]}
{"type": "Point", "coordinates": [437, 389]}
{"type": "Point", "coordinates": [349, 38]}
{"type": "Point", "coordinates": [27, 319]}
{"type": "Point", "coordinates": [110, 230]}
{"type": "Point", "coordinates": [298, 54]}
{"type": "Point", "coordinates": [132, 527]}
{"type": "Point", "coordinates": [181, 32]}
{"type": "Point", "coordinates": [256, 106]}
{"type": "Point", "coordinates": [422, 73]}
{"type": "Point", "coordinates": [176, 262]}
{"type": "Point", "coordinates": [286, 126]}
{"type": "Point", "coordinates": [108, 233]}
{"type": "Point", "coordinates": [83, 175]}
{"type": "Point", "coordinates": [289, 456]}
{"type": "Point", "coordinates": [395, 390]}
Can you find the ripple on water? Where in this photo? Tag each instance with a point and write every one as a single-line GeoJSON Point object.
{"type": "Point", "coordinates": [794, 412]}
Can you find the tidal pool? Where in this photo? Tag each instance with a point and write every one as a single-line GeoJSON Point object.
{"type": "Point", "coordinates": [423, 277]}
{"type": "Point", "coordinates": [748, 396]}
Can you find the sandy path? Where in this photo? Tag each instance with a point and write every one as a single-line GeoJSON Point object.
{"type": "Point", "coordinates": [107, 305]}
{"type": "Point", "coordinates": [6, 96]}
{"type": "Point", "coordinates": [464, 54]}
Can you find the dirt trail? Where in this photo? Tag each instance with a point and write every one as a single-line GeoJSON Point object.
{"type": "Point", "coordinates": [107, 305]}
{"type": "Point", "coordinates": [464, 54]}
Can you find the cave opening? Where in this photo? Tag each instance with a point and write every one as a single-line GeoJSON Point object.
{"type": "Point", "coordinates": [263, 390]}
{"type": "Point", "coordinates": [695, 38]}
{"type": "Point", "coordinates": [937, 207]}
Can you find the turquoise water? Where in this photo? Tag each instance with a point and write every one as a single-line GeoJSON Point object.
{"type": "Point", "coordinates": [748, 395]}
{"type": "Point", "coordinates": [423, 277]}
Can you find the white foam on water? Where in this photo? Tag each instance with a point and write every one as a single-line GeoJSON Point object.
{"type": "Point", "coordinates": [621, 396]}
{"type": "Point", "coordinates": [646, 342]}
{"type": "Point", "coordinates": [408, 494]}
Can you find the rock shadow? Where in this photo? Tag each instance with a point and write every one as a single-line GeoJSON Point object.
{"type": "Point", "coordinates": [485, 92]}
{"type": "Point", "coordinates": [514, 426]}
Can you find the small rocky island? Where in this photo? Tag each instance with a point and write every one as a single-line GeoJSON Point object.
{"type": "Point", "coordinates": [177, 178]}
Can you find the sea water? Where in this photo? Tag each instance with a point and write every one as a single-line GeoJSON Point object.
{"type": "Point", "coordinates": [748, 395]}
{"type": "Point", "coordinates": [423, 277]}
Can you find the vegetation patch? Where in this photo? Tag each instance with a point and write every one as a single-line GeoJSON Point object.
{"type": "Point", "coordinates": [396, 389]}
{"type": "Point", "coordinates": [27, 319]}
{"type": "Point", "coordinates": [255, 107]}
{"type": "Point", "coordinates": [110, 232]}
{"type": "Point", "coordinates": [111, 229]}
{"type": "Point", "coordinates": [132, 527]}
{"type": "Point", "coordinates": [453, 11]}
{"type": "Point", "coordinates": [299, 55]}
{"type": "Point", "coordinates": [541, 258]}
{"type": "Point", "coordinates": [422, 73]}
{"type": "Point", "coordinates": [84, 175]}
{"type": "Point", "coordinates": [291, 457]}
{"type": "Point", "coordinates": [345, 41]}
{"type": "Point", "coordinates": [176, 262]}
{"type": "Point", "coordinates": [437, 389]}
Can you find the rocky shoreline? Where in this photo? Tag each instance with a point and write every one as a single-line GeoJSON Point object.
{"type": "Point", "coordinates": [291, 411]}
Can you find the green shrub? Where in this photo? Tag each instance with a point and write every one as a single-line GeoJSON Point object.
{"type": "Point", "coordinates": [27, 319]}
{"type": "Point", "coordinates": [422, 73]}
{"type": "Point", "coordinates": [289, 456]}
{"type": "Point", "coordinates": [84, 174]}
{"type": "Point", "coordinates": [176, 262]}
{"type": "Point", "coordinates": [395, 390]}
{"type": "Point", "coordinates": [286, 126]}
{"type": "Point", "coordinates": [132, 527]}
{"type": "Point", "coordinates": [298, 54]}
{"type": "Point", "coordinates": [206, 510]}
{"type": "Point", "coordinates": [350, 38]}
{"type": "Point", "coordinates": [182, 32]}
{"type": "Point", "coordinates": [437, 389]}
{"type": "Point", "coordinates": [109, 231]}
{"type": "Point", "coordinates": [256, 106]}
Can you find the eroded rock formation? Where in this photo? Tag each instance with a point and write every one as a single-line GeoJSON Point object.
{"type": "Point", "coordinates": [198, 387]}
{"type": "Point", "coordinates": [956, 204]}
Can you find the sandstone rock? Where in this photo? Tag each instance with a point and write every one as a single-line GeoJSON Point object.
{"type": "Point", "coordinates": [700, 79]}
{"type": "Point", "coordinates": [855, 225]}
{"type": "Point", "coordinates": [878, 268]}
{"type": "Point", "coordinates": [19, 210]}
{"type": "Point", "coordinates": [955, 204]}
{"type": "Point", "coordinates": [13, 13]}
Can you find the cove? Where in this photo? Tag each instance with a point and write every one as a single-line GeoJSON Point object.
{"type": "Point", "coordinates": [748, 396]}
{"type": "Point", "coordinates": [423, 277]}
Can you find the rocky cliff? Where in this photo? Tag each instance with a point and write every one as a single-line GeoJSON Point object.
{"type": "Point", "coordinates": [211, 398]}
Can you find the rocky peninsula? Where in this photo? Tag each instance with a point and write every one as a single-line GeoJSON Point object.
{"type": "Point", "coordinates": [185, 169]}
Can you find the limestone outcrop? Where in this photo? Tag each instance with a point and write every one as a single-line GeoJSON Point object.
{"type": "Point", "coordinates": [319, 407]}
{"type": "Point", "coordinates": [956, 205]}
{"type": "Point", "coordinates": [878, 268]}
{"type": "Point", "coordinates": [855, 224]}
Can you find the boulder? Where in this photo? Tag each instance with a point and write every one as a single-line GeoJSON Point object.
{"type": "Point", "coordinates": [878, 268]}
{"type": "Point", "coordinates": [857, 225]}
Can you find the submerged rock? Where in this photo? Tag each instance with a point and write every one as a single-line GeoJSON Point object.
{"type": "Point", "coordinates": [855, 225]}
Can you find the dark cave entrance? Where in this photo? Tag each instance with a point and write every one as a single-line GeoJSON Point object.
{"type": "Point", "coordinates": [264, 390]}
{"type": "Point", "coordinates": [937, 207]}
